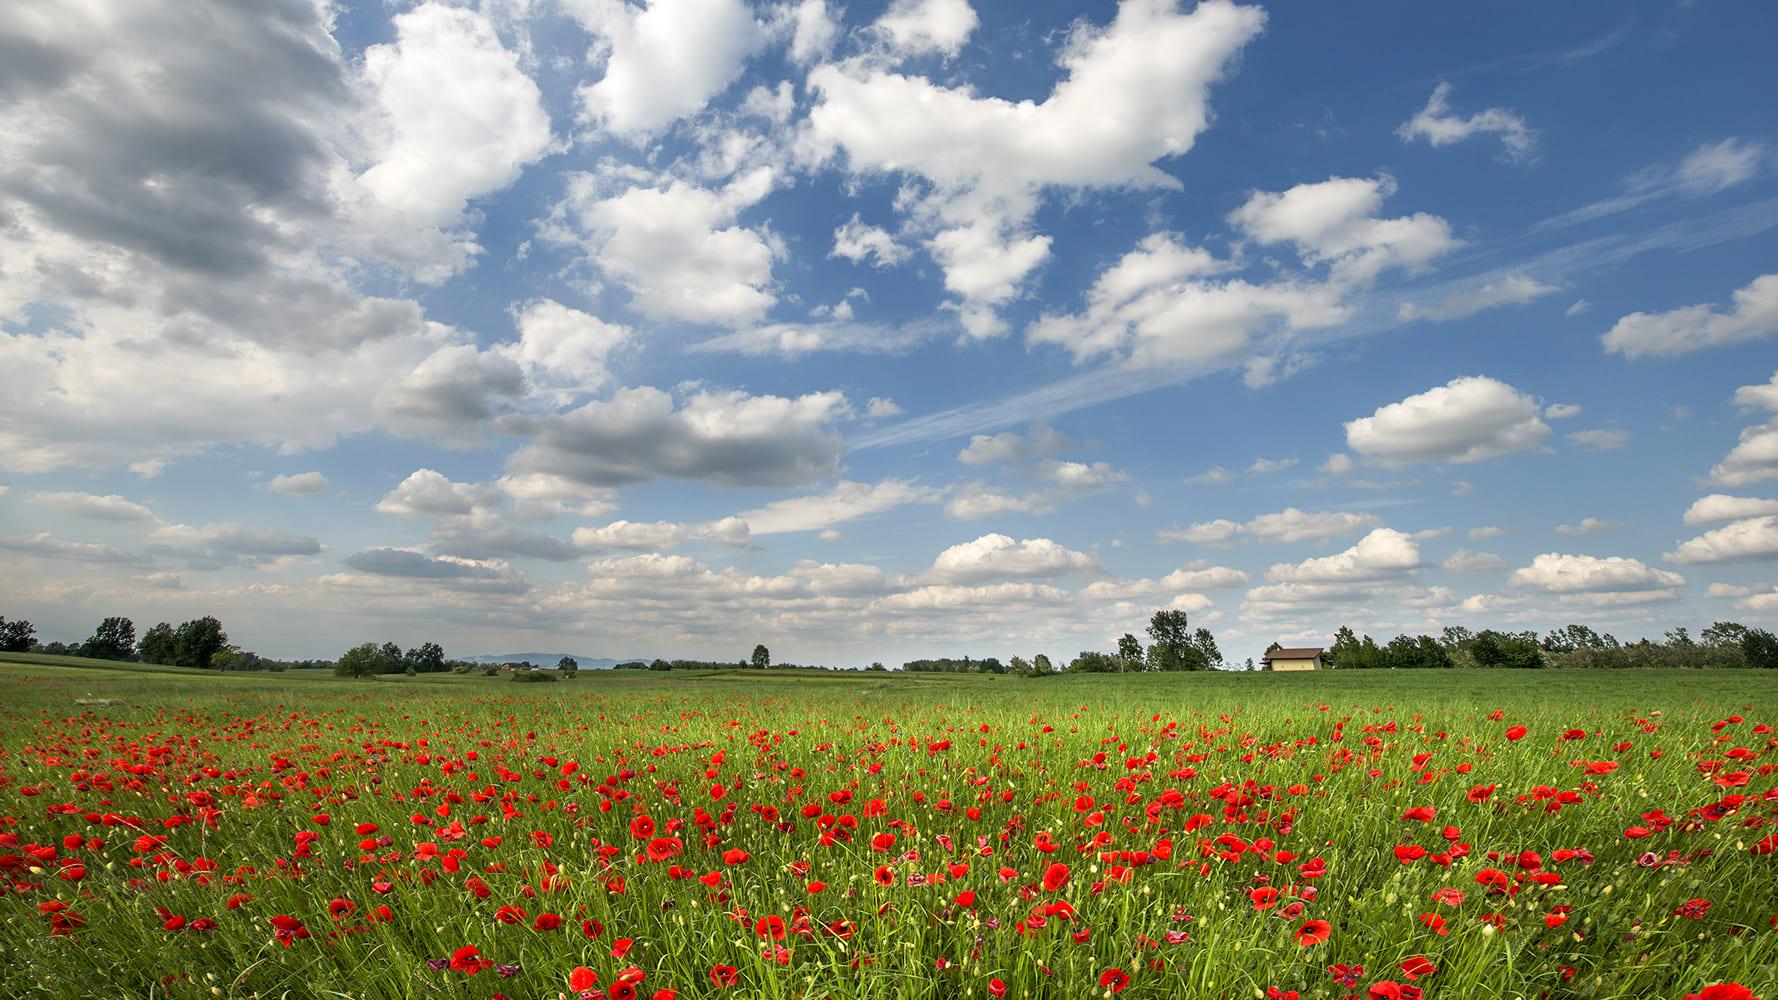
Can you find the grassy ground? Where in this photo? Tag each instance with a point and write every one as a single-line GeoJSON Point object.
{"type": "Point", "coordinates": [903, 831]}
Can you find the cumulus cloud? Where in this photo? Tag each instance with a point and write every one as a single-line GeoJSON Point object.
{"type": "Point", "coordinates": [1749, 538]}
{"type": "Point", "coordinates": [676, 245]}
{"type": "Point", "coordinates": [1132, 93]}
{"type": "Point", "coordinates": [1337, 222]}
{"type": "Point", "coordinates": [1556, 573]}
{"type": "Point", "coordinates": [916, 27]}
{"type": "Point", "coordinates": [1288, 525]}
{"type": "Point", "coordinates": [664, 61]}
{"type": "Point", "coordinates": [1382, 554]}
{"type": "Point", "coordinates": [427, 492]}
{"type": "Point", "coordinates": [814, 30]}
{"type": "Point", "coordinates": [1465, 420]}
{"type": "Point", "coordinates": [998, 557]}
{"type": "Point", "coordinates": [100, 508]}
{"type": "Point", "coordinates": [458, 117]}
{"type": "Point", "coordinates": [726, 438]}
{"type": "Point", "coordinates": [1440, 126]}
{"type": "Point", "coordinates": [1465, 561]}
{"type": "Point", "coordinates": [1758, 397]}
{"type": "Point", "coordinates": [1722, 507]}
{"type": "Point", "coordinates": [1753, 316]}
{"type": "Point", "coordinates": [46, 545]}
{"type": "Point", "coordinates": [448, 571]}
{"type": "Point", "coordinates": [861, 243]}
{"type": "Point", "coordinates": [1585, 526]}
{"type": "Point", "coordinates": [563, 349]}
{"type": "Point", "coordinates": [1754, 458]}
{"type": "Point", "coordinates": [300, 484]}
{"type": "Point", "coordinates": [846, 501]}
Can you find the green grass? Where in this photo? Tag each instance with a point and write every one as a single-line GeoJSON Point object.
{"type": "Point", "coordinates": [1282, 758]}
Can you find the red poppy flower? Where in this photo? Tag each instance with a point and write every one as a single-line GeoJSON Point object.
{"type": "Point", "coordinates": [724, 975]}
{"type": "Point", "coordinates": [1723, 991]}
{"type": "Point", "coordinates": [582, 979]}
{"type": "Point", "coordinates": [770, 926]}
{"type": "Point", "coordinates": [1313, 932]}
{"type": "Point", "coordinates": [1515, 733]}
{"type": "Point", "coordinates": [1417, 966]}
{"type": "Point", "coordinates": [642, 828]}
{"type": "Point", "coordinates": [1055, 876]}
{"type": "Point", "coordinates": [547, 922]}
{"type": "Point", "coordinates": [1114, 980]}
{"type": "Point", "coordinates": [996, 988]}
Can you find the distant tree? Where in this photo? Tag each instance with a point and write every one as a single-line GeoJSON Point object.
{"type": "Point", "coordinates": [236, 658]}
{"type": "Point", "coordinates": [392, 662]}
{"type": "Point", "coordinates": [1504, 649]}
{"type": "Point", "coordinates": [1570, 638]}
{"type": "Point", "coordinates": [568, 666]}
{"type": "Point", "coordinates": [1250, 664]}
{"type": "Point", "coordinates": [114, 639]}
{"type": "Point", "coordinates": [17, 636]}
{"type": "Point", "coordinates": [1129, 649]}
{"type": "Point", "coordinates": [198, 641]}
{"type": "Point", "coordinates": [1454, 636]}
{"type": "Point", "coordinates": [1019, 665]}
{"type": "Point", "coordinates": [360, 661]}
{"type": "Point", "coordinates": [1760, 647]}
{"type": "Point", "coordinates": [1040, 664]}
{"type": "Point", "coordinates": [1678, 636]}
{"type": "Point", "coordinates": [877, 665]}
{"type": "Point", "coordinates": [1206, 644]}
{"type": "Point", "coordinates": [1092, 662]}
{"type": "Point", "coordinates": [762, 657]}
{"type": "Point", "coordinates": [159, 645]}
{"type": "Point", "coordinates": [426, 658]}
{"type": "Point", "coordinates": [1724, 634]}
{"type": "Point", "coordinates": [1174, 648]}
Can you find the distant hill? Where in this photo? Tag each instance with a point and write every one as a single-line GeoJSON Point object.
{"type": "Point", "coordinates": [548, 661]}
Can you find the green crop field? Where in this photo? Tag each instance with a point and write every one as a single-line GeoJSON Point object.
{"type": "Point", "coordinates": [165, 832]}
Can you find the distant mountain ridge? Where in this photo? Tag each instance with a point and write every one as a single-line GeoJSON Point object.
{"type": "Point", "coordinates": [548, 661]}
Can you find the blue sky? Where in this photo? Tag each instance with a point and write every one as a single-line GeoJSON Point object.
{"type": "Point", "coordinates": [881, 330]}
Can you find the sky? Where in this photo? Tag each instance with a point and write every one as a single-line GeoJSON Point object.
{"type": "Point", "coordinates": [880, 330]}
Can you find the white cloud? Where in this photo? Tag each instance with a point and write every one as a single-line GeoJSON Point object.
{"type": "Point", "coordinates": [301, 484]}
{"type": "Point", "coordinates": [846, 501]}
{"type": "Point", "coordinates": [666, 60]}
{"type": "Point", "coordinates": [881, 408]}
{"type": "Point", "coordinates": [1556, 573]}
{"type": "Point", "coordinates": [1293, 525]}
{"type": "Point", "coordinates": [564, 349]}
{"type": "Point", "coordinates": [1561, 411]}
{"type": "Point", "coordinates": [1751, 538]}
{"type": "Point", "coordinates": [99, 508]}
{"type": "Point", "coordinates": [1754, 458]}
{"type": "Point", "coordinates": [1466, 420]}
{"type": "Point", "coordinates": [916, 27]}
{"type": "Point", "coordinates": [1011, 447]}
{"type": "Point", "coordinates": [1722, 507]}
{"type": "Point", "coordinates": [1601, 439]}
{"type": "Point", "coordinates": [1693, 328]}
{"type": "Point", "coordinates": [976, 500]}
{"type": "Point", "coordinates": [452, 394]}
{"type": "Point", "coordinates": [861, 243]}
{"type": "Point", "coordinates": [1586, 526]}
{"type": "Point", "coordinates": [1132, 93]}
{"type": "Point", "coordinates": [1487, 531]}
{"type": "Point", "coordinates": [1465, 561]}
{"type": "Point", "coordinates": [1512, 290]}
{"type": "Point", "coordinates": [1336, 222]}
{"type": "Point", "coordinates": [1439, 126]}
{"type": "Point", "coordinates": [1382, 554]}
{"type": "Point", "coordinates": [814, 32]}
{"type": "Point", "coordinates": [1717, 167]}
{"type": "Point", "coordinates": [459, 119]}
{"type": "Point", "coordinates": [429, 493]}
{"type": "Point", "coordinates": [635, 536]}
{"type": "Point", "coordinates": [676, 246]}
{"type": "Point", "coordinates": [1759, 397]}
{"type": "Point", "coordinates": [1338, 464]}
{"type": "Point", "coordinates": [1161, 305]}
{"type": "Point", "coordinates": [727, 438]}
{"type": "Point", "coordinates": [998, 557]}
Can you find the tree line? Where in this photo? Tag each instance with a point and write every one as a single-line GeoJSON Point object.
{"type": "Point", "coordinates": [1571, 647]}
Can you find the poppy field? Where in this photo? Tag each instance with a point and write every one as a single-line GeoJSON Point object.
{"type": "Point", "coordinates": [1267, 836]}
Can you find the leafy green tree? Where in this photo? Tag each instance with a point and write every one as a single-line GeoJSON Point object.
{"type": "Point", "coordinates": [17, 636]}
{"type": "Point", "coordinates": [877, 665]}
{"type": "Point", "coordinates": [236, 658]}
{"type": "Point", "coordinates": [1129, 649]}
{"type": "Point", "coordinates": [159, 645]}
{"type": "Point", "coordinates": [1760, 647]}
{"type": "Point", "coordinates": [1678, 636]}
{"type": "Point", "coordinates": [762, 657]}
{"type": "Point", "coordinates": [114, 639]}
{"type": "Point", "coordinates": [426, 658]}
{"type": "Point", "coordinates": [568, 666]}
{"type": "Point", "coordinates": [1455, 636]}
{"type": "Point", "coordinates": [1019, 666]}
{"type": "Point", "coordinates": [360, 661]}
{"type": "Point", "coordinates": [1174, 647]}
{"type": "Point", "coordinates": [198, 641]}
{"type": "Point", "coordinates": [1092, 662]}
{"type": "Point", "coordinates": [1504, 649]}
{"type": "Point", "coordinates": [392, 659]}
{"type": "Point", "coordinates": [1724, 634]}
{"type": "Point", "coordinates": [1040, 664]}
{"type": "Point", "coordinates": [1206, 644]}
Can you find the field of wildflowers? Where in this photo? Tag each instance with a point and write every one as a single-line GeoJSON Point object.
{"type": "Point", "coordinates": [1267, 836]}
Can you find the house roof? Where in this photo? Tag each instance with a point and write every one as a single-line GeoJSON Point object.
{"type": "Point", "coordinates": [1297, 653]}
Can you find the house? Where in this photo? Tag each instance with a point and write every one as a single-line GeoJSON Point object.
{"type": "Point", "coordinates": [1300, 658]}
